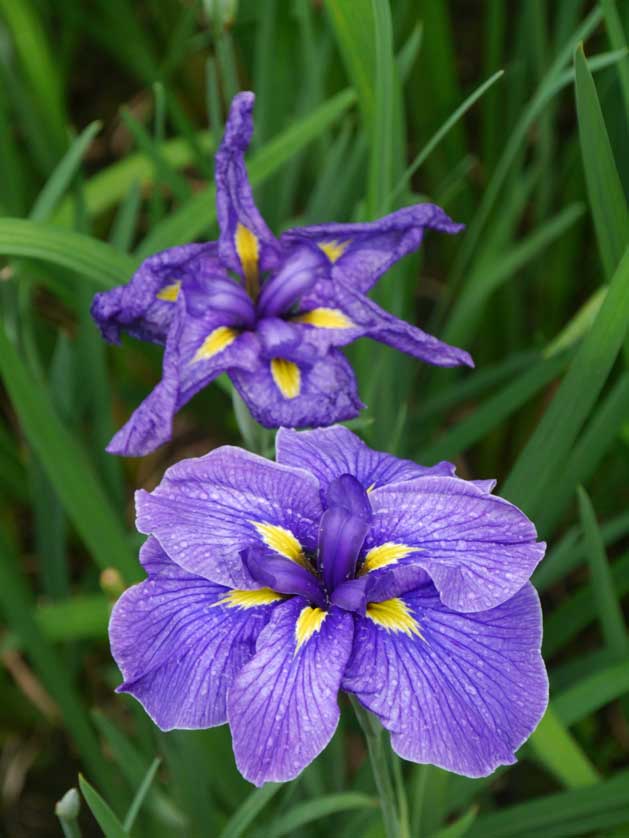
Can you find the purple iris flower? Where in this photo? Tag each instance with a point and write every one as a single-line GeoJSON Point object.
{"type": "Point", "coordinates": [269, 312]}
{"type": "Point", "coordinates": [272, 586]}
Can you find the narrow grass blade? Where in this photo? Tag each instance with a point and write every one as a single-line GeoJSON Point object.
{"type": "Point", "coordinates": [68, 470]}
{"type": "Point", "coordinates": [199, 213]}
{"type": "Point", "coordinates": [460, 827]}
{"type": "Point", "coordinates": [109, 186]}
{"type": "Point", "coordinates": [353, 24]}
{"type": "Point", "coordinates": [555, 435]}
{"type": "Point", "coordinates": [380, 178]}
{"type": "Point", "coordinates": [103, 813]}
{"type": "Point", "coordinates": [250, 810]}
{"type": "Point", "coordinates": [596, 441]}
{"type": "Point", "coordinates": [61, 178]}
{"type": "Point", "coordinates": [494, 410]}
{"type": "Point", "coordinates": [560, 754]}
{"type": "Point", "coordinates": [463, 320]}
{"type": "Point", "coordinates": [592, 811]}
{"type": "Point", "coordinates": [140, 795]}
{"type": "Point", "coordinates": [321, 807]}
{"type": "Point", "coordinates": [570, 551]}
{"type": "Point", "coordinates": [91, 259]}
{"type": "Point", "coordinates": [164, 172]}
{"type": "Point", "coordinates": [607, 199]}
{"type": "Point", "coordinates": [434, 141]}
{"type": "Point", "coordinates": [618, 40]}
{"type": "Point", "coordinates": [40, 68]}
{"type": "Point", "coordinates": [589, 694]}
{"type": "Point", "coordinates": [609, 610]}
{"type": "Point", "coordinates": [543, 94]}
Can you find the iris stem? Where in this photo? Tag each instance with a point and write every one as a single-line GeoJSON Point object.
{"type": "Point", "coordinates": [379, 752]}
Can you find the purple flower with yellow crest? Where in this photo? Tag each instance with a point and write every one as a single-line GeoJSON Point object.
{"type": "Point", "coordinates": [272, 313]}
{"type": "Point", "coordinates": [273, 586]}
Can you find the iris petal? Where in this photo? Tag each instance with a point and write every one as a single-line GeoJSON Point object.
{"type": "Point", "coordinates": [342, 531]}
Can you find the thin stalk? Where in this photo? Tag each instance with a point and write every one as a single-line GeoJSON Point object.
{"type": "Point", "coordinates": [380, 766]}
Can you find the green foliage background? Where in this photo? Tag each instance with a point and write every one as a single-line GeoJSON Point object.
{"type": "Point", "coordinates": [362, 107]}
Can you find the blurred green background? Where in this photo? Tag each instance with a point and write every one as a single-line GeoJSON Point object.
{"type": "Point", "coordinates": [109, 115]}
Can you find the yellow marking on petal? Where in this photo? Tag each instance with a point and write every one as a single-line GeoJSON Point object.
{"type": "Point", "coordinates": [249, 599]}
{"type": "Point", "coordinates": [371, 488]}
{"type": "Point", "coordinates": [394, 615]}
{"type": "Point", "coordinates": [334, 249]}
{"type": "Point", "coordinates": [383, 555]}
{"type": "Point", "coordinates": [215, 342]}
{"type": "Point", "coordinates": [324, 318]}
{"type": "Point", "coordinates": [169, 293]}
{"type": "Point", "coordinates": [283, 542]}
{"type": "Point", "coordinates": [248, 250]}
{"type": "Point", "coordinates": [287, 377]}
{"type": "Point", "coordinates": [309, 621]}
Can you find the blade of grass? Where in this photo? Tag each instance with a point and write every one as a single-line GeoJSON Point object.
{"type": "Point", "coordinates": [464, 317]}
{"type": "Point", "coordinates": [589, 694]}
{"type": "Point", "coordinates": [586, 811]}
{"type": "Point", "coordinates": [68, 470]}
{"type": "Point", "coordinates": [618, 41]}
{"type": "Point", "coordinates": [138, 800]}
{"type": "Point", "coordinates": [560, 754]}
{"type": "Point", "coordinates": [609, 611]}
{"type": "Point", "coordinates": [61, 177]}
{"type": "Point", "coordinates": [605, 191]}
{"type": "Point", "coordinates": [566, 621]}
{"type": "Point", "coordinates": [109, 186]}
{"type": "Point", "coordinates": [434, 141]}
{"type": "Point", "coordinates": [312, 810]}
{"type": "Point", "coordinates": [555, 435]}
{"type": "Point", "coordinates": [494, 410]}
{"type": "Point", "coordinates": [544, 93]}
{"type": "Point", "coordinates": [599, 436]}
{"type": "Point", "coordinates": [250, 810]}
{"type": "Point", "coordinates": [93, 260]}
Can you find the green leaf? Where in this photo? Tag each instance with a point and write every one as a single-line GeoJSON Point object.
{"type": "Point", "coordinates": [199, 213]}
{"type": "Point", "coordinates": [484, 281]}
{"type": "Point", "coordinates": [250, 810]}
{"type": "Point", "coordinates": [320, 807]}
{"type": "Point", "coordinates": [354, 27]}
{"type": "Point", "coordinates": [61, 178]}
{"type": "Point", "coordinates": [104, 815]}
{"type": "Point", "coordinates": [609, 610]}
{"type": "Point", "coordinates": [490, 413]}
{"type": "Point", "coordinates": [382, 125]}
{"type": "Point", "coordinates": [140, 795]}
{"type": "Point", "coordinates": [450, 122]}
{"type": "Point", "coordinates": [66, 466]}
{"type": "Point", "coordinates": [577, 612]}
{"type": "Point", "coordinates": [591, 693]}
{"type": "Point", "coordinates": [607, 199]}
{"type": "Point", "coordinates": [550, 444]}
{"type": "Point", "coordinates": [597, 439]}
{"type": "Point", "coordinates": [618, 41]}
{"type": "Point", "coordinates": [460, 827]}
{"type": "Point", "coordinates": [556, 749]}
{"type": "Point", "coordinates": [589, 811]}
{"type": "Point", "coordinates": [92, 260]}
{"type": "Point", "coordinates": [109, 186]}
